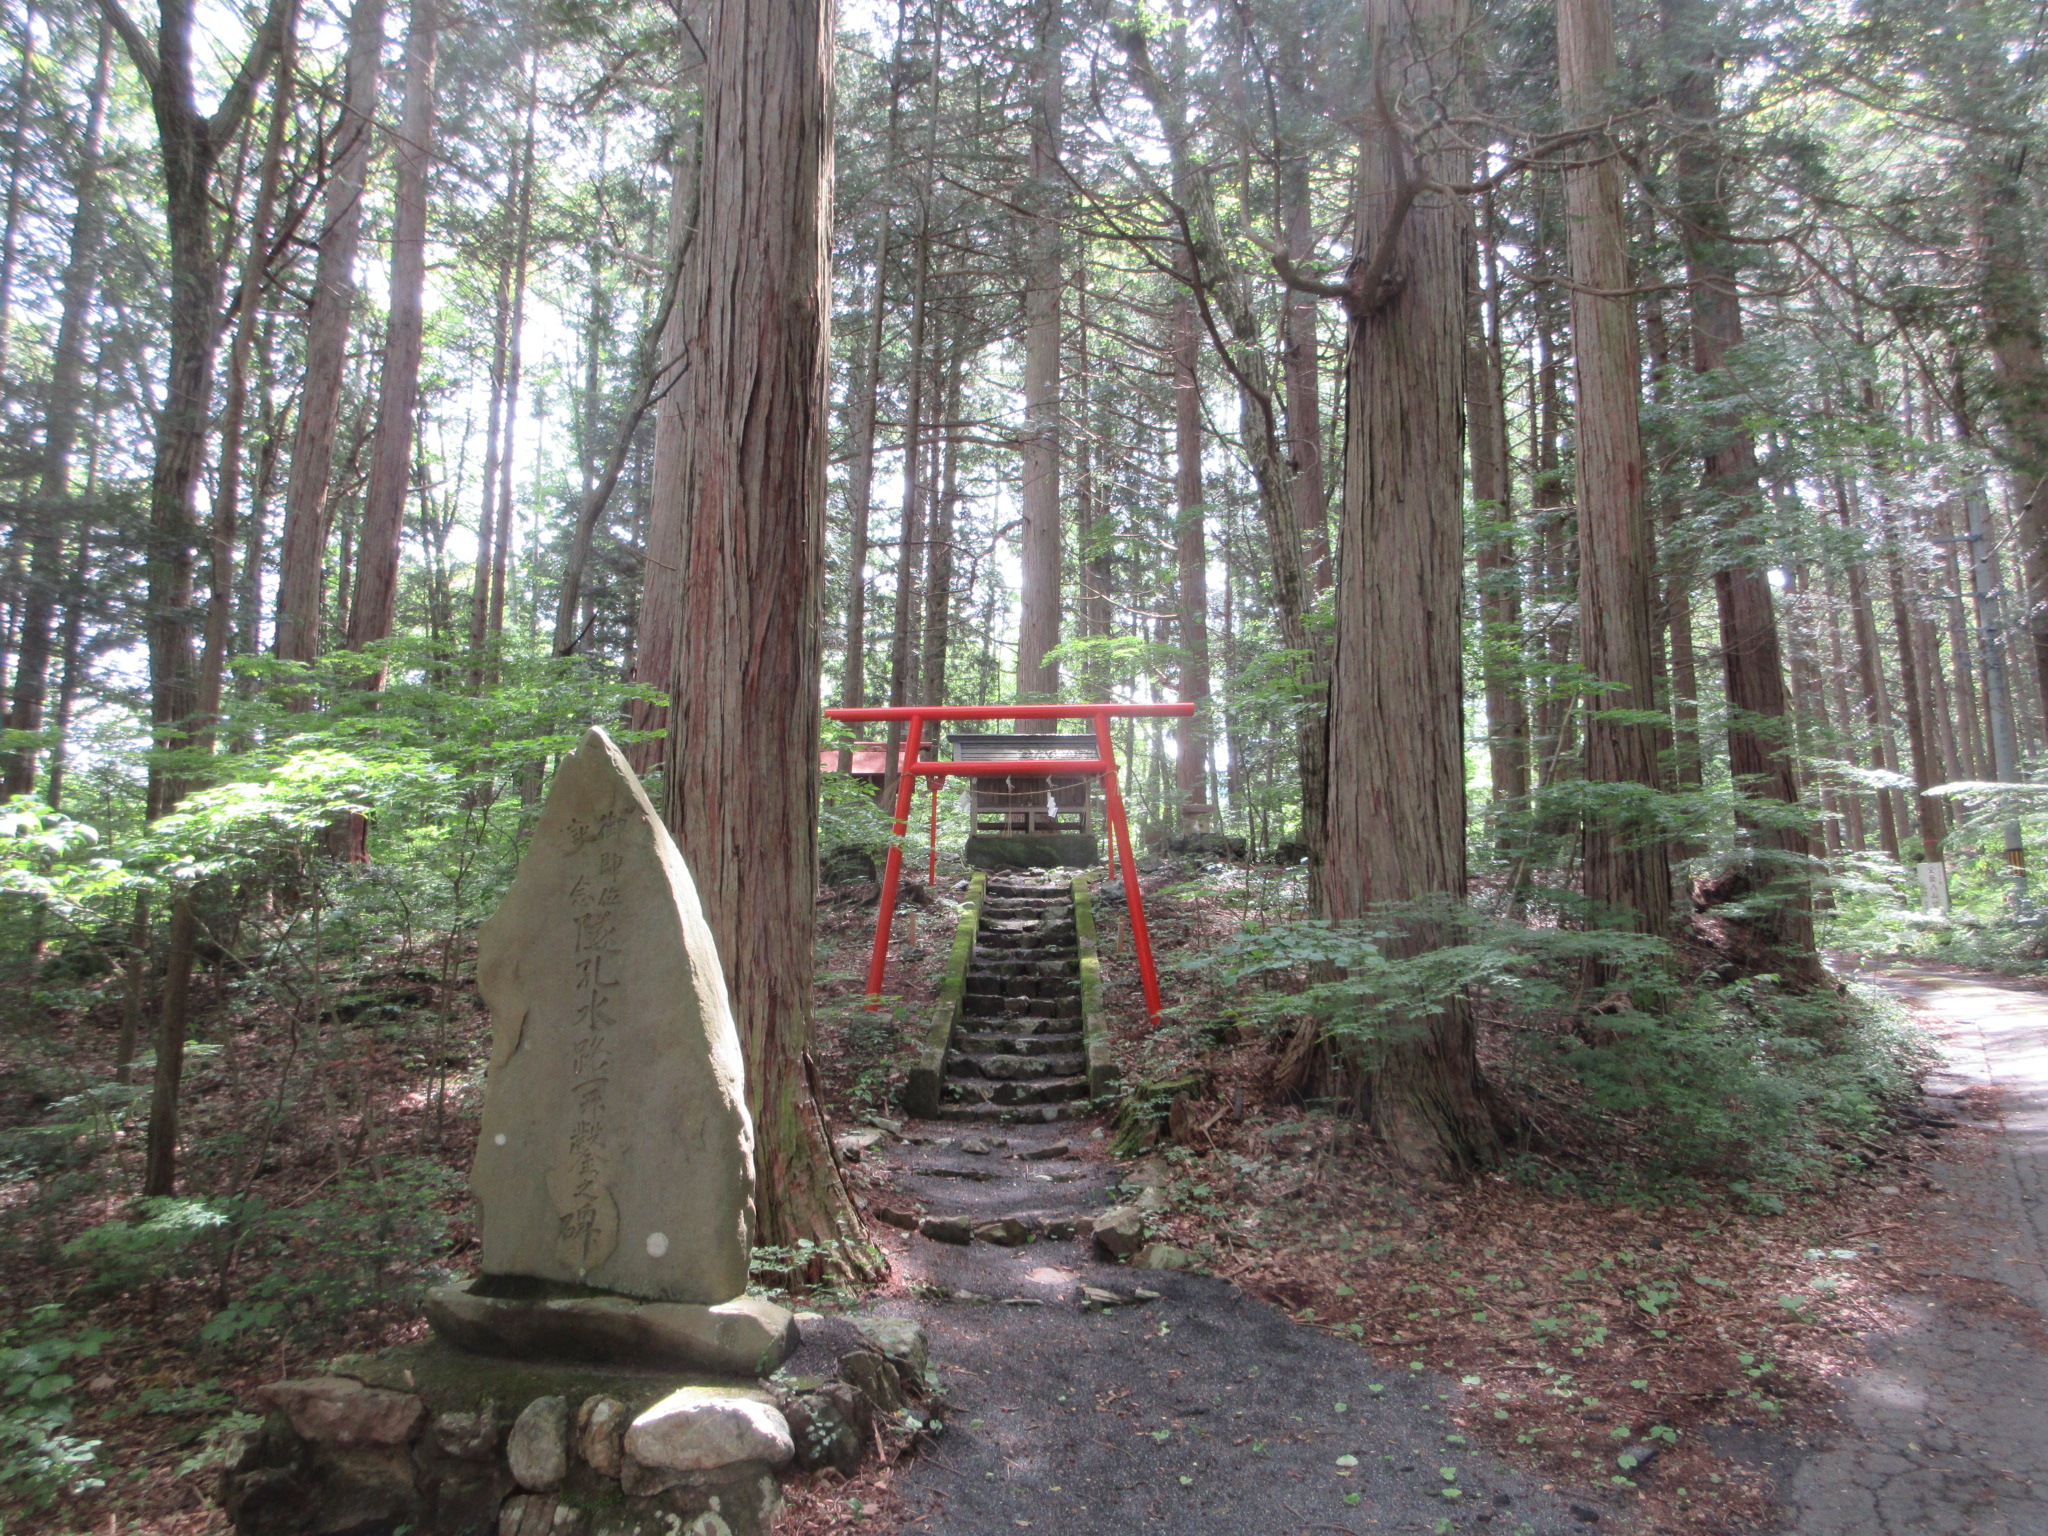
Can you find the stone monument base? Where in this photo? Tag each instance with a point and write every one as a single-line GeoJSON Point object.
{"type": "Point", "coordinates": [425, 1439]}
{"type": "Point", "coordinates": [536, 1320]}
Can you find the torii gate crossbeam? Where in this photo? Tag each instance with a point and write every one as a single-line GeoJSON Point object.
{"type": "Point", "coordinates": [910, 769]}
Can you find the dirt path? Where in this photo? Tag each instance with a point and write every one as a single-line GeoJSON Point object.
{"type": "Point", "coordinates": [1198, 1411]}
{"type": "Point", "coordinates": [1947, 1429]}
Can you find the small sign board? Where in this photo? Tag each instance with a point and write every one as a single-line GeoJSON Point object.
{"type": "Point", "coordinates": [1933, 887]}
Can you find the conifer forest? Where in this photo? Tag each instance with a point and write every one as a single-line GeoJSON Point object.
{"type": "Point", "coordinates": [1585, 462]}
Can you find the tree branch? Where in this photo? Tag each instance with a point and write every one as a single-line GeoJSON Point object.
{"type": "Point", "coordinates": [146, 62]}
{"type": "Point", "coordinates": [235, 103]}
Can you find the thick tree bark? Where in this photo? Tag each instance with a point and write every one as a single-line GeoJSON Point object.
{"type": "Point", "coordinates": [1760, 725]}
{"type": "Point", "coordinates": [47, 517]}
{"type": "Point", "coordinates": [743, 748]}
{"type": "Point", "coordinates": [301, 557]}
{"type": "Point", "coordinates": [375, 608]}
{"type": "Point", "coordinates": [1396, 824]}
{"type": "Point", "coordinates": [1038, 629]}
{"type": "Point", "coordinates": [1627, 866]}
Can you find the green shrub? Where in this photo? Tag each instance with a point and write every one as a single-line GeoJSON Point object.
{"type": "Point", "coordinates": [39, 1459]}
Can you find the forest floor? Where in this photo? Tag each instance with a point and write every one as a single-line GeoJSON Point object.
{"type": "Point", "coordinates": [1522, 1331]}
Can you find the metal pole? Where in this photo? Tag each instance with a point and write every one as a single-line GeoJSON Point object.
{"type": "Point", "coordinates": [932, 870]}
{"type": "Point", "coordinates": [892, 872]}
{"type": "Point", "coordinates": [1134, 897]}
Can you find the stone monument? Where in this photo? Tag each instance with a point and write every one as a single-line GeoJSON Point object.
{"type": "Point", "coordinates": [614, 1171]}
{"type": "Point", "coordinates": [604, 1374]}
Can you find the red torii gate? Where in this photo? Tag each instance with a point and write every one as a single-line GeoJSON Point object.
{"type": "Point", "coordinates": [1104, 763]}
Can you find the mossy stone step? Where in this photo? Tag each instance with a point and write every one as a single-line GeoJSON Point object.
{"type": "Point", "coordinates": [1048, 1090]}
{"type": "Point", "coordinates": [1012, 1069]}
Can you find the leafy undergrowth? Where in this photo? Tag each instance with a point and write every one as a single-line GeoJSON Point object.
{"type": "Point", "coordinates": [320, 1192]}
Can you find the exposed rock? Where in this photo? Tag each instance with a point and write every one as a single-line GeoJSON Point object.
{"type": "Point", "coordinates": [1148, 1173]}
{"type": "Point", "coordinates": [895, 1216]}
{"type": "Point", "coordinates": [846, 864]}
{"type": "Point", "coordinates": [1120, 1231]}
{"type": "Point", "coordinates": [1059, 1229]}
{"type": "Point", "coordinates": [1043, 1154]}
{"type": "Point", "coordinates": [616, 1150]}
{"type": "Point", "coordinates": [538, 1447]}
{"type": "Point", "coordinates": [600, 1434]}
{"type": "Point", "coordinates": [982, 1146]}
{"type": "Point", "coordinates": [874, 1376]}
{"type": "Point", "coordinates": [947, 1229]}
{"type": "Point", "coordinates": [539, 1514]}
{"type": "Point", "coordinates": [1164, 1256]}
{"type": "Point", "coordinates": [829, 1426]}
{"type": "Point", "coordinates": [697, 1428]}
{"type": "Point", "coordinates": [747, 1336]}
{"type": "Point", "coordinates": [901, 1339]}
{"type": "Point", "coordinates": [467, 1436]}
{"type": "Point", "coordinates": [1006, 1232]}
{"type": "Point", "coordinates": [341, 1411]}
{"type": "Point", "coordinates": [852, 1145]}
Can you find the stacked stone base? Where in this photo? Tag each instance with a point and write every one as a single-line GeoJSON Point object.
{"type": "Point", "coordinates": [434, 1441]}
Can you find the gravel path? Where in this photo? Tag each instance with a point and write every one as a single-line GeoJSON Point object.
{"type": "Point", "coordinates": [1201, 1411]}
{"type": "Point", "coordinates": [1947, 1429]}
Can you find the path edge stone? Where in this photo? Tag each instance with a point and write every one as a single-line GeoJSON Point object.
{"type": "Point", "coordinates": [927, 1074]}
{"type": "Point", "coordinates": [1104, 1071]}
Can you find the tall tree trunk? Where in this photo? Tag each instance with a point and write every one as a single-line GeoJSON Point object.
{"type": "Point", "coordinates": [190, 144]}
{"type": "Point", "coordinates": [302, 552]}
{"type": "Point", "coordinates": [1396, 824]}
{"type": "Point", "coordinates": [1038, 629]}
{"type": "Point", "coordinates": [17, 159]}
{"type": "Point", "coordinates": [1224, 302]}
{"type": "Point", "coordinates": [1191, 550]}
{"type": "Point", "coordinates": [1919, 739]}
{"type": "Point", "coordinates": [1298, 348]}
{"type": "Point", "coordinates": [743, 751]}
{"type": "Point", "coordinates": [938, 581]}
{"type": "Point", "coordinates": [661, 581]}
{"type": "Point", "coordinates": [1772, 882]}
{"type": "Point", "coordinates": [1875, 704]}
{"type": "Point", "coordinates": [1627, 866]}
{"type": "Point", "coordinates": [860, 484]}
{"type": "Point", "coordinates": [487, 515]}
{"type": "Point", "coordinates": [1500, 575]}
{"type": "Point", "coordinates": [50, 512]}
{"type": "Point", "coordinates": [375, 609]}
{"type": "Point", "coordinates": [220, 598]}
{"type": "Point", "coordinates": [522, 256]}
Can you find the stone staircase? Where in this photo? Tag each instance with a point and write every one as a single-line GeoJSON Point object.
{"type": "Point", "coordinates": [1017, 1052]}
